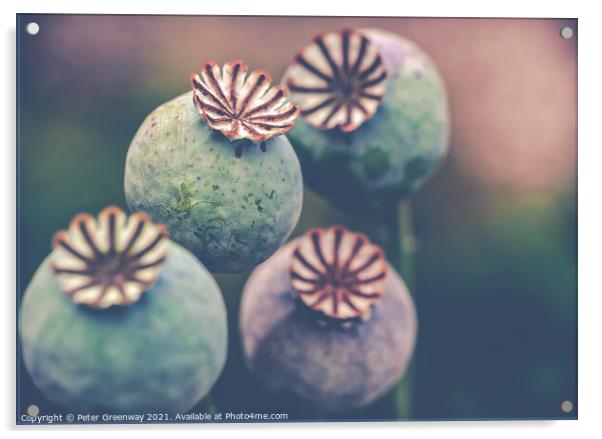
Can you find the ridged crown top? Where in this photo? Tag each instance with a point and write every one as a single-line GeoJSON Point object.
{"type": "Point", "coordinates": [108, 260]}
{"type": "Point", "coordinates": [241, 106]}
{"type": "Point", "coordinates": [338, 80]}
{"type": "Point", "coordinates": [338, 273]}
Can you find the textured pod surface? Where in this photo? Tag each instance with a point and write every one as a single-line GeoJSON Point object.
{"type": "Point", "coordinates": [391, 154]}
{"type": "Point", "coordinates": [160, 354]}
{"type": "Point", "coordinates": [232, 213]}
{"type": "Point", "coordinates": [330, 367]}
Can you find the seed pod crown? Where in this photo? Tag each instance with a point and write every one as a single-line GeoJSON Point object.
{"type": "Point", "coordinates": [338, 80]}
{"type": "Point", "coordinates": [109, 260]}
{"type": "Point", "coordinates": [241, 106]}
{"type": "Point", "coordinates": [338, 273]}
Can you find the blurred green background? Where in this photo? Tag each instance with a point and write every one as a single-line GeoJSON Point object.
{"type": "Point", "coordinates": [496, 265]}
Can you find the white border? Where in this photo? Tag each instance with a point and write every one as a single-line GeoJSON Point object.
{"type": "Point", "coordinates": [590, 217]}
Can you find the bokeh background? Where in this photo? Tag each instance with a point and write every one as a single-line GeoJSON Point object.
{"type": "Point", "coordinates": [495, 279]}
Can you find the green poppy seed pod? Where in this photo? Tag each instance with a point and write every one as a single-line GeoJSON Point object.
{"type": "Point", "coordinates": [216, 168]}
{"type": "Point", "coordinates": [374, 112]}
{"type": "Point", "coordinates": [327, 321]}
{"type": "Point", "coordinates": [120, 319]}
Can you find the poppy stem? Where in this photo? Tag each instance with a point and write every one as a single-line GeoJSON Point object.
{"type": "Point", "coordinates": [209, 405]}
{"type": "Point", "coordinates": [401, 243]}
{"type": "Point", "coordinates": [401, 248]}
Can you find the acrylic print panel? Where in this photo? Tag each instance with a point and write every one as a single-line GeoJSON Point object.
{"type": "Point", "coordinates": [316, 218]}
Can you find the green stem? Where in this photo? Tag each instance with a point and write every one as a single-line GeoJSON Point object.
{"type": "Point", "coordinates": [400, 244]}
{"type": "Point", "coordinates": [392, 241]}
{"type": "Point", "coordinates": [209, 405]}
{"type": "Point", "coordinates": [407, 244]}
{"type": "Point", "coordinates": [400, 249]}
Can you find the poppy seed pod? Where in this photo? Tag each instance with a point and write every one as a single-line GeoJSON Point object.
{"type": "Point", "coordinates": [215, 167]}
{"type": "Point", "coordinates": [375, 121]}
{"type": "Point", "coordinates": [120, 319]}
{"type": "Point", "coordinates": [327, 321]}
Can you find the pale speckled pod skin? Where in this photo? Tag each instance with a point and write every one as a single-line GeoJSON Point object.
{"type": "Point", "coordinates": [160, 354]}
{"type": "Point", "coordinates": [393, 153]}
{"type": "Point", "coordinates": [232, 213]}
{"type": "Point", "coordinates": [330, 368]}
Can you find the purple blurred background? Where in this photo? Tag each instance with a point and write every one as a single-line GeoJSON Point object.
{"type": "Point", "coordinates": [496, 227]}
